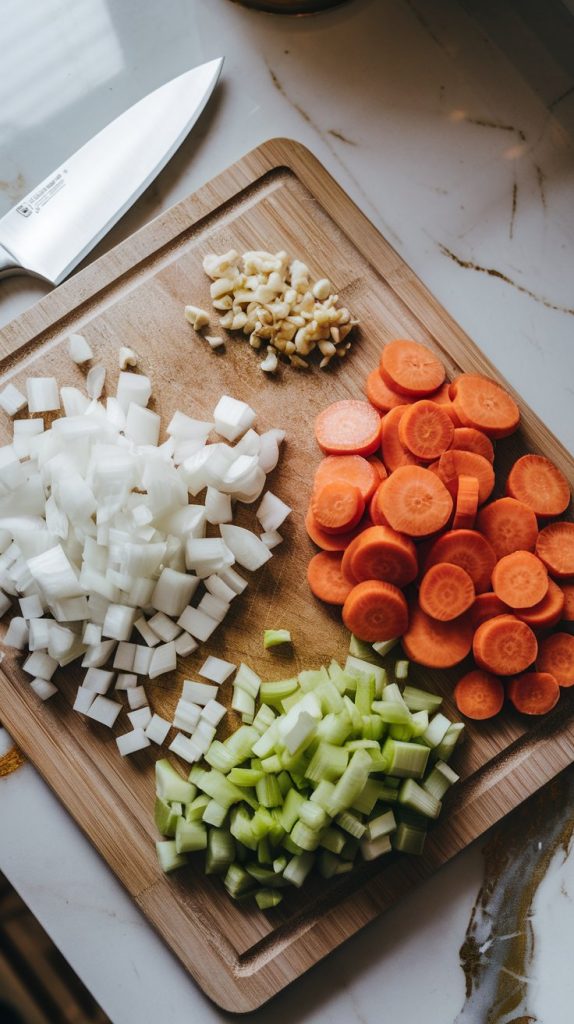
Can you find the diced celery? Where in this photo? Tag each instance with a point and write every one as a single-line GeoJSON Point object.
{"type": "Point", "coordinates": [333, 839]}
{"type": "Point", "coordinates": [271, 764]}
{"type": "Point", "coordinates": [419, 800]}
{"type": "Point", "coordinates": [328, 762]}
{"type": "Point", "coordinates": [440, 779]}
{"type": "Point", "coordinates": [241, 742]}
{"type": "Point", "coordinates": [350, 823]}
{"type": "Point", "coordinates": [382, 647]}
{"type": "Point", "coordinates": [284, 781]}
{"type": "Point", "coordinates": [393, 693]}
{"type": "Point", "coordinates": [261, 823]}
{"type": "Point", "coordinates": [331, 700]}
{"type": "Point", "coordinates": [354, 714]}
{"type": "Point", "coordinates": [265, 744]}
{"type": "Point", "coordinates": [420, 700]}
{"type": "Point", "coordinates": [364, 694]}
{"type": "Point", "coordinates": [352, 745]}
{"type": "Point", "coordinates": [263, 719]}
{"type": "Point", "coordinates": [453, 735]}
{"type": "Point", "coordinates": [360, 649]}
{"type": "Point", "coordinates": [214, 814]}
{"type": "Point", "coordinates": [408, 838]}
{"type": "Point", "coordinates": [290, 811]}
{"type": "Point", "coordinates": [312, 815]}
{"type": "Point", "coordinates": [389, 794]}
{"type": "Point", "coordinates": [195, 810]}
{"type": "Point", "coordinates": [268, 792]}
{"type": "Point", "coordinates": [237, 881]}
{"type": "Point", "coordinates": [220, 851]}
{"type": "Point", "coordinates": [311, 678]}
{"type": "Point", "coordinates": [275, 692]}
{"type": "Point", "coordinates": [436, 731]}
{"type": "Point", "coordinates": [419, 722]}
{"type": "Point", "coordinates": [322, 794]}
{"type": "Point", "coordinates": [289, 702]}
{"type": "Point", "coordinates": [392, 712]}
{"type": "Point", "coordinates": [402, 732]}
{"type": "Point", "coordinates": [170, 785]}
{"type": "Point", "coordinates": [373, 848]}
{"type": "Point", "coordinates": [219, 788]}
{"type": "Point", "coordinates": [378, 762]}
{"type": "Point", "coordinates": [242, 702]}
{"type": "Point", "coordinates": [219, 756]}
{"type": "Point", "coordinates": [382, 825]}
{"type": "Point", "coordinates": [368, 796]}
{"type": "Point", "coordinates": [244, 776]}
{"type": "Point", "coordinates": [190, 836]}
{"type": "Point", "coordinates": [248, 680]}
{"type": "Point", "coordinates": [265, 876]}
{"type": "Point", "coordinates": [273, 637]}
{"type": "Point", "coordinates": [360, 669]}
{"type": "Point", "coordinates": [306, 838]}
{"type": "Point", "coordinates": [298, 868]}
{"type": "Point", "coordinates": [168, 857]}
{"type": "Point", "coordinates": [351, 782]}
{"type": "Point", "coordinates": [401, 670]}
{"type": "Point", "coordinates": [264, 855]}
{"type": "Point", "coordinates": [405, 760]}
{"type": "Point", "coordinates": [342, 680]}
{"type": "Point", "coordinates": [335, 728]}
{"type": "Point", "coordinates": [373, 727]}
{"type": "Point", "coordinates": [266, 899]}
{"type": "Point", "coordinates": [279, 864]}
{"type": "Point", "coordinates": [166, 816]}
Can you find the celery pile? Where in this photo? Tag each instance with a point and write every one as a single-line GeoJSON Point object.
{"type": "Point", "coordinates": [336, 763]}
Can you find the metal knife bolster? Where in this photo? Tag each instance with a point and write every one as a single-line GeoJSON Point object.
{"type": "Point", "coordinates": [8, 264]}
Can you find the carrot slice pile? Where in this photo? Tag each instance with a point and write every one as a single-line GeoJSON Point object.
{"type": "Point", "coordinates": [508, 525]}
{"type": "Point", "coordinates": [378, 467]}
{"type": "Point", "coordinates": [415, 502]}
{"type": "Point", "coordinates": [504, 645]}
{"type": "Point", "coordinates": [348, 427]}
{"type": "Point", "coordinates": [568, 607]}
{"type": "Point", "coordinates": [446, 591]}
{"type": "Point", "coordinates": [468, 439]}
{"type": "Point", "coordinates": [481, 403]}
{"type": "Point", "coordinates": [539, 484]}
{"type": "Point", "coordinates": [375, 610]}
{"type": "Point", "coordinates": [375, 508]}
{"type": "Point", "coordinates": [555, 546]}
{"type": "Point", "coordinates": [380, 394]}
{"type": "Point", "coordinates": [337, 506]}
{"type": "Point", "coordinates": [436, 644]}
{"type": "Point", "coordinates": [548, 612]}
{"type": "Point", "coordinates": [329, 541]}
{"type": "Point", "coordinates": [534, 693]}
{"type": "Point", "coordinates": [326, 579]}
{"type": "Point", "coordinates": [487, 606]}
{"type": "Point", "coordinates": [556, 656]}
{"type": "Point", "coordinates": [425, 430]}
{"type": "Point", "coordinates": [411, 368]}
{"type": "Point", "coordinates": [468, 549]}
{"type": "Point", "coordinates": [479, 695]}
{"type": "Point", "coordinates": [466, 503]}
{"type": "Point", "coordinates": [394, 452]}
{"type": "Point", "coordinates": [354, 469]}
{"type": "Point", "coordinates": [381, 553]}
{"type": "Point", "coordinates": [520, 579]}
{"type": "Point", "coordinates": [454, 464]}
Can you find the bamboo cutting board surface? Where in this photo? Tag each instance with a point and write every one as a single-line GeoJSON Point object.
{"type": "Point", "coordinates": [277, 197]}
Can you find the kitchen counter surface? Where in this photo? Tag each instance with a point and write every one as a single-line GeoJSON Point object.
{"type": "Point", "coordinates": [452, 129]}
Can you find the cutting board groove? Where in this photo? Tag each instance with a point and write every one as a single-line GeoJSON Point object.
{"type": "Point", "coordinates": [276, 197]}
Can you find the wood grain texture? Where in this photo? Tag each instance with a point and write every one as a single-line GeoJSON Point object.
{"type": "Point", "coordinates": [277, 197]}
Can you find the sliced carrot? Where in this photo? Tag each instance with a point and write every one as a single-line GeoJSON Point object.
{"type": "Point", "coordinates": [454, 464]}
{"type": "Point", "coordinates": [481, 403]}
{"type": "Point", "coordinates": [508, 525]}
{"type": "Point", "coordinates": [468, 439]}
{"type": "Point", "coordinates": [354, 469]}
{"type": "Point", "coordinates": [331, 541]}
{"type": "Point", "coordinates": [348, 427]}
{"type": "Point", "coordinates": [446, 591]}
{"type": "Point", "coordinates": [555, 546]}
{"type": "Point", "coordinates": [381, 553]}
{"type": "Point", "coordinates": [504, 645]}
{"type": "Point", "coordinates": [337, 506]}
{"type": "Point", "coordinates": [394, 453]}
{"type": "Point", "coordinates": [557, 657]}
{"type": "Point", "coordinates": [548, 612]}
{"type": "Point", "coordinates": [326, 579]}
{"type": "Point", "coordinates": [568, 609]}
{"type": "Point", "coordinates": [520, 579]}
{"type": "Point", "coordinates": [466, 503]}
{"type": "Point", "coordinates": [375, 610]}
{"type": "Point", "coordinates": [442, 398]}
{"type": "Point", "coordinates": [534, 693]}
{"type": "Point", "coordinates": [487, 606]}
{"type": "Point", "coordinates": [415, 501]}
{"type": "Point", "coordinates": [375, 510]}
{"type": "Point", "coordinates": [426, 430]}
{"type": "Point", "coordinates": [436, 644]}
{"type": "Point", "coordinates": [539, 484]}
{"type": "Point", "coordinates": [479, 695]}
{"type": "Point", "coordinates": [411, 368]}
{"type": "Point", "coordinates": [380, 394]}
{"type": "Point", "coordinates": [378, 467]}
{"type": "Point", "coordinates": [468, 549]}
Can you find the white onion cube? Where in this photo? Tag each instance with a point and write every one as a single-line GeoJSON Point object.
{"type": "Point", "coordinates": [198, 693]}
{"type": "Point", "coordinates": [216, 669]}
{"type": "Point", "coordinates": [142, 425]}
{"type": "Point", "coordinates": [104, 710]}
{"type": "Point", "coordinates": [43, 394]}
{"type": "Point", "coordinates": [213, 712]}
{"type": "Point", "coordinates": [164, 660]}
{"type": "Point", "coordinates": [147, 634]}
{"type": "Point", "coordinates": [165, 627]}
{"type": "Point", "coordinates": [98, 680]}
{"type": "Point", "coordinates": [157, 729]}
{"type": "Point", "coordinates": [12, 400]}
{"type": "Point", "coordinates": [17, 633]}
{"type": "Point", "coordinates": [43, 688]}
{"type": "Point", "coordinates": [137, 697]}
{"type": "Point", "coordinates": [185, 645]}
{"type": "Point", "coordinates": [40, 664]}
{"type": "Point", "coordinates": [200, 625]}
{"type": "Point", "coordinates": [133, 387]}
{"type": "Point", "coordinates": [213, 607]}
{"type": "Point", "coordinates": [79, 349]}
{"type": "Point", "coordinates": [272, 512]}
{"type": "Point", "coordinates": [248, 550]}
{"type": "Point", "coordinates": [173, 591]}
{"type": "Point", "coordinates": [140, 718]}
{"type": "Point", "coordinates": [131, 742]}
{"type": "Point", "coordinates": [84, 700]}
{"type": "Point", "coordinates": [126, 680]}
{"type": "Point", "coordinates": [232, 417]}
{"type": "Point", "coordinates": [119, 621]}
{"type": "Point", "coordinates": [184, 748]}
{"type": "Point", "coordinates": [142, 660]}
{"type": "Point", "coordinates": [124, 657]}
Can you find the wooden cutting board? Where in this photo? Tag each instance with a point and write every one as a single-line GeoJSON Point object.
{"type": "Point", "coordinates": [277, 197]}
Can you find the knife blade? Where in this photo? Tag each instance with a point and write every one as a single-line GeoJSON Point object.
{"type": "Point", "coordinates": [58, 222]}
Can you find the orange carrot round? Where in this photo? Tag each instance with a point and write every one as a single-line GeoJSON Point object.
{"type": "Point", "coordinates": [520, 579]}
{"type": "Point", "coordinates": [468, 439]}
{"type": "Point", "coordinates": [381, 553]}
{"type": "Point", "coordinates": [483, 404]}
{"type": "Point", "coordinates": [375, 509]}
{"type": "Point", "coordinates": [504, 645]}
{"type": "Point", "coordinates": [394, 453]}
{"type": "Point", "coordinates": [337, 506]}
{"type": "Point", "coordinates": [415, 502]}
{"type": "Point", "coordinates": [446, 591]}
{"type": "Point", "coordinates": [548, 612]}
{"type": "Point", "coordinates": [380, 394]}
{"type": "Point", "coordinates": [348, 427]}
{"type": "Point", "coordinates": [487, 606]}
{"type": "Point", "coordinates": [326, 580]}
{"type": "Point", "coordinates": [466, 503]}
{"type": "Point", "coordinates": [411, 368]}
{"type": "Point", "coordinates": [436, 644]}
{"type": "Point", "coordinates": [454, 464]}
{"type": "Point", "coordinates": [330, 541]}
{"type": "Point", "coordinates": [375, 611]}
{"type": "Point", "coordinates": [508, 525]}
{"type": "Point", "coordinates": [568, 608]}
{"type": "Point", "coordinates": [539, 484]}
{"type": "Point", "coordinates": [556, 656]}
{"type": "Point", "coordinates": [468, 549]}
{"type": "Point", "coordinates": [353, 469]}
{"type": "Point", "coordinates": [426, 430]}
{"type": "Point", "coordinates": [555, 546]}
{"type": "Point", "coordinates": [479, 695]}
{"type": "Point", "coordinates": [378, 467]}
{"type": "Point", "coordinates": [534, 693]}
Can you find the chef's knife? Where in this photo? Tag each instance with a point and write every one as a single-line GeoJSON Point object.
{"type": "Point", "coordinates": [55, 225]}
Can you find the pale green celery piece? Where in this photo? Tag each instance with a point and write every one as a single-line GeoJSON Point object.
{"type": "Point", "coordinates": [334, 668]}
{"type": "Point", "coordinates": [262, 823]}
{"type": "Point", "coordinates": [219, 788]}
{"type": "Point", "coordinates": [373, 848]}
{"type": "Point", "coordinates": [170, 785]}
{"type": "Point", "coordinates": [218, 756]}
{"type": "Point", "coordinates": [245, 776]}
{"type": "Point", "coordinates": [331, 699]}
{"type": "Point", "coordinates": [405, 760]}
{"type": "Point", "coordinates": [354, 714]}
{"type": "Point", "coordinates": [305, 837]}
{"type": "Point", "coordinates": [290, 846]}
{"type": "Point", "coordinates": [299, 780]}
{"type": "Point", "coordinates": [378, 762]}
{"type": "Point", "coordinates": [391, 711]}
{"type": "Point", "coordinates": [220, 851]}
{"type": "Point", "coordinates": [277, 690]}
{"type": "Point", "coordinates": [241, 742]}
{"type": "Point", "coordinates": [389, 794]}
{"type": "Point", "coordinates": [328, 762]}
{"type": "Point", "coordinates": [322, 794]}
{"type": "Point", "coordinates": [248, 680]}
{"type": "Point", "coordinates": [440, 779]}
{"type": "Point", "coordinates": [402, 732]}
{"type": "Point", "coordinates": [382, 825]}
{"type": "Point", "coordinates": [454, 734]}
{"type": "Point", "coordinates": [296, 765]}
{"type": "Point", "coordinates": [373, 727]}
{"type": "Point", "coordinates": [268, 792]}
{"type": "Point", "coordinates": [436, 731]}
{"type": "Point", "coordinates": [266, 899]}
{"type": "Point", "coordinates": [263, 719]}
{"type": "Point", "coordinates": [392, 692]}
{"type": "Point", "coordinates": [247, 718]}
{"type": "Point", "coordinates": [290, 811]}
{"type": "Point", "coordinates": [351, 782]}
{"type": "Point", "coordinates": [265, 876]}
{"type": "Point", "coordinates": [369, 796]}
{"type": "Point", "coordinates": [168, 857]}
{"type": "Point", "coordinates": [196, 774]}
{"type": "Point", "coordinates": [264, 855]}
{"type": "Point", "coordinates": [237, 881]}
{"type": "Point", "coordinates": [365, 694]}
{"type": "Point", "coordinates": [214, 814]}
{"type": "Point", "coordinates": [420, 721]}
{"type": "Point", "coordinates": [408, 838]}
{"type": "Point", "coordinates": [279, 864]}
{"type": "Point", "coordinates": [242, 702]}
{"type": "Point", "coordinates": [294, 698]}
{"type": "Point", "coordinates": [332, 839]}
{"type": "Point", "coordinates": [335, 728]}
{"type": "Point", "coordinates": [313, 815]}
{"type": "Point", "coordinates": [190, 836]}
{"type": "Point", "coordinates": [240, 826]}
{"type": "Point", "coordinates": [298, 868]}
{"type": "Point", "coordinates": [420, 700]}
{"type": "Point", "coordinates": [401, 670]}
{"type": "Point", "coordinates": [310, 678]}
{"type": "Point", "coordinates": [382, 647]}
{"type": "Point", "coordinates": [274, 637]}
{"type": "Point", "coordinates": [350, 823]}
{"type": "Point", "coordinates": [360, 669]}
{"type": "Point", "coordinates": [265, 744]}
{"type": "Point", "coordinates": [419, 800]}
{"type": "Point", "coordinates": [271, 764]}
{"type": "Point", "coordinates": [343, 681]}
{"type": "Point", "coordinates": [352, 745]}
{"type": "Point", "coordinates": [194, 811]}
{"type": "Point", "coordinates": [165, 817]}
{"type": "Point", "coordinates": [276, 832]}
{"type": "Point", "coordinates": [360, 649]}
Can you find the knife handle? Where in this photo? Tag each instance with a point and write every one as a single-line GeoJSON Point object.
{"type": "Point", "coordinates": [8, 264]}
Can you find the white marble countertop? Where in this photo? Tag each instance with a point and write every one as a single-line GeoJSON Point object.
{"type": "Point", "coordinates": [455, 136]}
